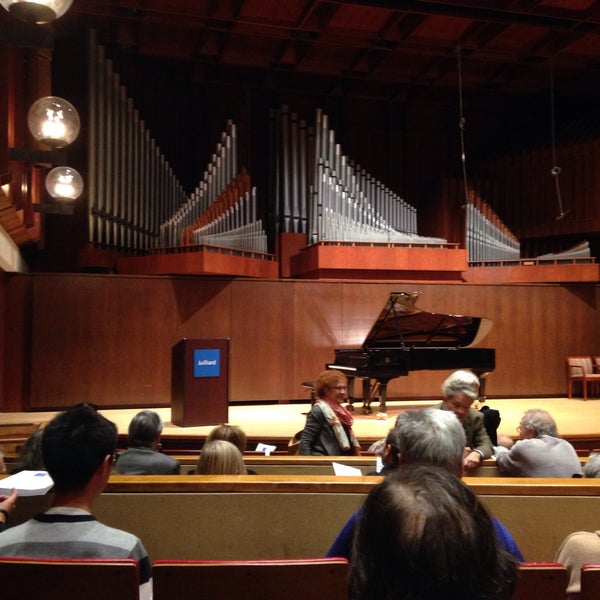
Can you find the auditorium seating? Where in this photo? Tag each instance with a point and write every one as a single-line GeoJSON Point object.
{"type": "Point", "coordinates": [580, 370]}
{"type": "Point", "coordinates": [541, 580]}
{"type": "Point", "coordinates": [268, 512]}
{"type": "Point", "coordinates": [58, 579]}
{"type": "Point", "coordinates": [590, 582]}
{"type": "Point", "coordinates": [252, 580]}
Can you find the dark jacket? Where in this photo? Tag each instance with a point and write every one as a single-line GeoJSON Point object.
{"type": "Point", "coordinates": [318, 437]}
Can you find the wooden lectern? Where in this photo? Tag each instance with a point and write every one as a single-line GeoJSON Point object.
{"type": "Point", "coordinates": [200, 382]}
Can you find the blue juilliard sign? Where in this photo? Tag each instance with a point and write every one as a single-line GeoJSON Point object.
{"type": "Point", "coordinates": [207, 363]}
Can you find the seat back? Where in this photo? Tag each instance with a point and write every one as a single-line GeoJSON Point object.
{"type": "Point", "coordinates": [546, 580]}
{"type": "Point", "coordinates": [251, 580]}
{"type": "Point", "coordinates": [590, 582]}
{"type": "Point", "coordinates": [58, 579]}
{"type": "Point", "coordinates": [579, 366]}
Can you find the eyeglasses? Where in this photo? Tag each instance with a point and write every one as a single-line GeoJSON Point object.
{"type": "Point", "coordinates": [339, 388]}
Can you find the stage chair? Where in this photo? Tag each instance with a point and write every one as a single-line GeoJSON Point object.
{"type": "Point", "coordinates": [580, 369]}
{"type": "Point", "coordinates": [590, 582]}
{"type": "Point", "coordinates": [57, 579]}
{"type": "Point", "coordinates": [547, 580]}
{"type": "Point", "coordinates": [252, 580]}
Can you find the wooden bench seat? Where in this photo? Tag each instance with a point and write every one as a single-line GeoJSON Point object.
{"type": "Point", "coordinates": [223, 580]}
{"type": "Point", "coordinates": [273, 515]}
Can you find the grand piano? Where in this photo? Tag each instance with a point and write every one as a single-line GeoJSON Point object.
{"type": "Point", "coordinates": [405, 338]}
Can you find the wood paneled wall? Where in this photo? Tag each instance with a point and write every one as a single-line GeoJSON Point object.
{"type": "Point", "coordinates": [107, 339]}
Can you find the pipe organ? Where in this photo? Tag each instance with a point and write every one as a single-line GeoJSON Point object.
{"type": "Point", "coordinates": [320, 191]}
{"type": "Point", "coordinates": [136, 204]}
{"type": "Point", "coordinates": [131, 186]}
{"type": "Point", "coordinates": [487, 238]}
{"type": "Point", "coordinates": [578, 251]}
{"type": "Point", "coordinates": [137, 208]}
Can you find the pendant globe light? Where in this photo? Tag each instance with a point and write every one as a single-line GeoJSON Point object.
{"type": "Point", "coordinates": [40, 11]}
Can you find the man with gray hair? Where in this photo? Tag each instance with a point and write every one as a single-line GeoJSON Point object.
{"type": "Point", "coordinates": [460, 390]}
{"type": "Point", "coordinates": [539, 452]}
{"type": "Point", "coordinates": [427, 437]}
{"type": "Point", "coordinates": [142, 456]}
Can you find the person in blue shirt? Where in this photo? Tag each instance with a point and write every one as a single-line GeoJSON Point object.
{"type": "Point", "coordinates": [429, 437]}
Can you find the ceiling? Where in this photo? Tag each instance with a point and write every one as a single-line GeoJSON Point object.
{"type": "Point", "coordinates": [393, 47]}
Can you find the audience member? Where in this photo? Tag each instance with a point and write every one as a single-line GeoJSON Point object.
{"type": "Point", "coordinates": [428, 437]}
{"type": "Point", "coordinates": [592, 466]}
{"type": "Point", "coordinates": [30, 453]}
{"type": "Point", "coordinates": [7, 505]}
{"type": "Point", "coordinates": [578, 548]}
{"type": "Point", "coordinates": [539, 452]}
{"type": "Point", "coordinates": [2, 463]}
{"type": "Point", "coordinates": [387, 451]}
{"type": "Point", "coordinates": [230, 433]}
{"type": "Point", "coordinates": [220, 458]}
{"type": "Point", "coordinates": [78, 446]}
{"type": "Point", "coordinates": [423, 534]}
{"type": "Point", "coordinates": [460, 390]}
{"type": "Point", "coordinates": [142, 456]}
{"type": "Point", "coordinates": [328, 429]}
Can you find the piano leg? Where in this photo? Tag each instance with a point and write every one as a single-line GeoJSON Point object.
{"type": "Point", "coordinates": [382, 396]}
{"type": "Point", "coordinates": [482, 375]}
{"type": "Point", "coordinates": [350, 393]}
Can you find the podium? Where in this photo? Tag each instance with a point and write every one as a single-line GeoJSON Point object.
{"type": "Point", "coordinates": [200, 382]}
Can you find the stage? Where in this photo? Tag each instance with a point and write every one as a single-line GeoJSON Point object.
{"type": "Point", "coordinates": [577, 420]}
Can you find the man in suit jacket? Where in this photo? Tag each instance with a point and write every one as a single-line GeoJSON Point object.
{"type": "Point", "coordinates": [460, 390]}
{"type": "Point", "coordinates": [142, 456]}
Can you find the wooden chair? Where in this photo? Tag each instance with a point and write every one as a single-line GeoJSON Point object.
{"type": "Point", "coordinates": [590, 582]}
{"type": "Point", "coordinates": [580, 369]}
{"type": "Point", "coordinates": [58, 579]}
{"type": "Point", "coordinates": [547, 580]}
{"type": "Point", "coordinates": [252, 580]}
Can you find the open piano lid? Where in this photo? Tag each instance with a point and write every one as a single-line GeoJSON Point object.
{"type": "Point", "coordinates": [402, 324]}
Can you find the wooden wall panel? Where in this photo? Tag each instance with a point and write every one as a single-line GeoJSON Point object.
{"type": "Point", "coordinates": [107, 339]}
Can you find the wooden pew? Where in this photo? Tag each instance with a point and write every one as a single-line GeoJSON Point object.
{"type": "Point", "coordinates": [254, 580]}
{"type": "Point", "coordinates": [57, 579]}
{"type": "Point", "coordinates": [267, 516]}
{"type": "Point", "coordinates": [314, 465]}
{"type": "Point", "coordinates": [547, 581]}
{"type": "Point", "coordinates": [590, 582]}
{"type": "Point", "coordinates": [12, 436]}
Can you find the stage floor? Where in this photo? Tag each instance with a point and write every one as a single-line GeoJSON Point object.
{"type": "Point", "coordinates": [575, 418]}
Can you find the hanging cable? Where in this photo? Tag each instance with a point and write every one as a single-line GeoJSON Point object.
{"type": "Point", "coordinates": [461, 126]}
{"type": "Point", "coordinates": [556, 170]}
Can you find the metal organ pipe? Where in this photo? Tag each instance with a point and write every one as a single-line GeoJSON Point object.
{"type": "Point", "coordinates": [131, 184]}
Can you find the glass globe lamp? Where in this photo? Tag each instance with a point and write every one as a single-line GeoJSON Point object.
{"type": "Point", "coordinates": [53, 121]}
{"type": "Point", "coordinates": [64, 183]}
{"type": "Point", "coordinates": [40, 11]}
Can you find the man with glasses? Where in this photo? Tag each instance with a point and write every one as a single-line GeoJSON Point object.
{"type": "Point", "coordinates": [328, 429]}
{"type": "Point", "coordinates": [538, 452]}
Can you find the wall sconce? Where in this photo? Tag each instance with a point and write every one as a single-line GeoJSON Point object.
{"type": "Point", "coordinates": [53, 121]}
{"type": "Point", "coordinates": [64, 183]}
{"type": "Point", "coordinates": [40, 11]}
